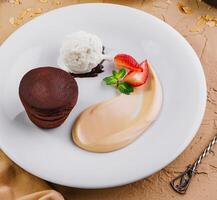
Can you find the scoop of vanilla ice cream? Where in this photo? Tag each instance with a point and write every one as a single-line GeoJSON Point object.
{"type": "Point", "coordinates": [80, 52]}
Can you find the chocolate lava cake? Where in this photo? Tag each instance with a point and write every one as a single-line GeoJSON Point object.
{"type": "Point", "coordinates": [48, 95]}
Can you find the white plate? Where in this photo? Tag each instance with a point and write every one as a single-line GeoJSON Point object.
{"type": "Point", "coordinates": [51, 154]}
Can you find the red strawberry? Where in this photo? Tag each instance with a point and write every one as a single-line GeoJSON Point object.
{"type": "Point", "coordinates": [138, 78]}
{"type": "Point", "coordinates": [127, 61]}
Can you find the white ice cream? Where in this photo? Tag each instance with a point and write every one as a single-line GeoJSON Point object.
{"type": "Point", "coordinates": [80, 52]}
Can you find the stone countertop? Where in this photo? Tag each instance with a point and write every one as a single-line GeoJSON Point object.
{"type": "Point", "coordinates": [202, 35]}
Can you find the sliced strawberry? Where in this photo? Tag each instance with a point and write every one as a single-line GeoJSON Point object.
{"type": "Point", "coordinates": [138, 78]}
{"type": "Point", "coordinates": [127, 61]}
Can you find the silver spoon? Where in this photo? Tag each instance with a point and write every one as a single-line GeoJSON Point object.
{"type": "Point", "coordinates": [180, 184]}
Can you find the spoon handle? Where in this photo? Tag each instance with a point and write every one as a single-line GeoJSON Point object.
{"type": "Point", "coordinates": [180, 184]}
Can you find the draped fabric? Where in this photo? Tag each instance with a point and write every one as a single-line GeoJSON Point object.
{"type": "Point", "coordinates": [16, 184]}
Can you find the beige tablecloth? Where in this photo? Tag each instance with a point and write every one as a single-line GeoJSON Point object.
{"type": "Point", "coordinates": [15, 183]}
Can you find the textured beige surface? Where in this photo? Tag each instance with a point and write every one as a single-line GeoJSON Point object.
{"type": "Point", "coordinates": [204, 185]}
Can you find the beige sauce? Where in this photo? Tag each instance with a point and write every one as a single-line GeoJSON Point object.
{"type": "Point", "coordinates": [115, 123]}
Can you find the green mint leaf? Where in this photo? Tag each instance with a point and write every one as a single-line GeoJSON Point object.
{"type": "Point", "coordinates": [110, 80]}
{"type": "Point", "coordinates": [114, 73]}
{"type": "Point", "coordinates": [125, 88]}
{"type": "Point", "coordinates": [120, 74]}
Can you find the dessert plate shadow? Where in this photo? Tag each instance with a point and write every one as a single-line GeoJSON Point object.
{"type": "Point", "coordinates": [51, 155]}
